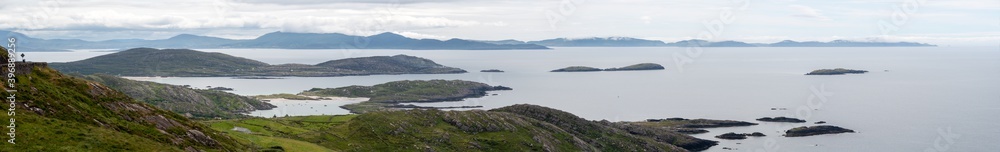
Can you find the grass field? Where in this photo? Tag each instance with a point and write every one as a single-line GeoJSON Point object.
{"type": "Point", "coordinates": [285, 132]}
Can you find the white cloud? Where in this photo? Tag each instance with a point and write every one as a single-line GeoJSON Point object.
{"type": "Point", "coordinates": [807, 12]}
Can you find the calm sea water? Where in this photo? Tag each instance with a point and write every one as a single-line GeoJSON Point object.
{"type": "Point", "coordinates": [915, 99]}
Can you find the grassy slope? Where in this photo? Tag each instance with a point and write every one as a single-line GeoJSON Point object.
{"type": "Point", "coordinates": [513, 128]}
{"type": "Point", "coordinates": [61, 113]}
{"type": "Point", "coordinates": [182, 100]}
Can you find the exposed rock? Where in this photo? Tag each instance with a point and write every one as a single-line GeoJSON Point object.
{"type": "Point", "coordinates": [820, 122]}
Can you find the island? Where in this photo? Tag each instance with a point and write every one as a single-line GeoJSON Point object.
{"type": "Point", "coordinates": [491, 70]}
{"type": "Point", "coordinates": [736, 136]}
{"type": "Point", "coordinates": [577, 69]}
{"type": "Point", "coordinates": [781, 119]}
{"type": "Point", "coordinates": [640, 66]}
{"type": "Point", "coordinates": [815, 130]}
{"type": "Point", "coordinates": [148, 62]}
{"type": "Point", "coordinates": [635, 67]}
{"type": "Point", "coordinates": [392, 94]}
{"type": "Point", "coordinates": [837, 71]}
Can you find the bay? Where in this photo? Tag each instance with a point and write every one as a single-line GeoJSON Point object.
{"type": "Point", "coordinates": [914, 98]}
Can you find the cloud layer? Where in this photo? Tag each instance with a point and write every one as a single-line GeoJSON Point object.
{"type": "Point", "coordinates": [944, 21]}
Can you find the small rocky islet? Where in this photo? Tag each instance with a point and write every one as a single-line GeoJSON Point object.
{"type": "Point", "coordinates": [815, 130]}
{"type": "Point", "coordinates": [781, 119]}
{"type": "Point", "coordinates": [837, 71]}
{"type": "Point", "coordinates": [635, 67]}
{"type": "Point", "coordinates": [736, 136]}
{"type": "Point", "coordinates": [492, 70]}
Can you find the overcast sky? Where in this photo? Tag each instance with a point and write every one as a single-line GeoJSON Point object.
{"type": "Point", "coordinates": [943, 22]}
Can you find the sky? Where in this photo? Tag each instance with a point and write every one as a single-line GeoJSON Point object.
{"type": "Point", "coordinates": [941, 22]}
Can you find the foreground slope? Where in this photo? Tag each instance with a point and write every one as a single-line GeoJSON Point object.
{"type": "Point", "coordinates": [512, 128]}
{"type": "Point", "coordinates": [56, 112]}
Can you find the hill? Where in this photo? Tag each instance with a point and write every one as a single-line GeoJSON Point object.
{"type": "Point", "coordinates": [191, 63]}
{"type": "Point", "coordinates": [512, 128]}
{"type": "Point", "coordinates": [56, 112]}
{"type": "Point", "coordinates": [157, 62]}
{"type": "Point", "coordinates": [195, 103]}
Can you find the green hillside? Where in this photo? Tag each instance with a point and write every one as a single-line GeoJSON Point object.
{"type": "Point", "coordinates": [55, 112]}
{"type": "Point", "coordinates": [510, 128]}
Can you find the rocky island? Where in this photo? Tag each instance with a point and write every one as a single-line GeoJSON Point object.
{"type": "Point", "coordinates": [491, 70]}
{"type": "Point", "coordinates": [391, 94]}
{"type": "Point", "coordinates": [191, 63]}
{"type": "Point", "coordinates": [837, 71]}
{"type": "Point", "coordinates": [815, 130]}
{"type": "Point", "coordinates": [636, 67]}
{"type": "Point", "coordinates": [735, 136]}
{"type": "Point", "coordinates": [577, 69]}
{"type": "Point", "coordinates": [781, 119]}
{"type": "Point", "coordinates": [640, 66]}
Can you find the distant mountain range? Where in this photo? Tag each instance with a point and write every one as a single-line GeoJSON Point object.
{"type": "Point", "coordinates": [388, 40]}
{"type": "Point", "coordinates": [635, 42]}
{"type": "Point", "coordinates": [281, 40]}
